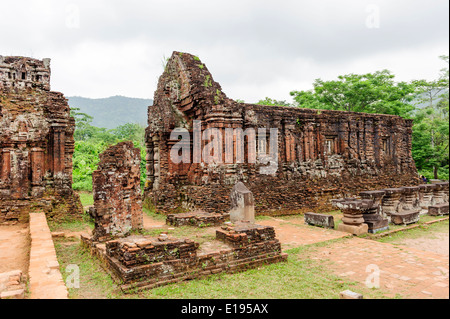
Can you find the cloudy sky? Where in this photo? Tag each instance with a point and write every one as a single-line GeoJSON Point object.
{"type": "Point", "coordinates": [253, 48]}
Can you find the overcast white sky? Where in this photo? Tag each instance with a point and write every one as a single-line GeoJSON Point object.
{"type": "Point", "coordinates": [253, 48]}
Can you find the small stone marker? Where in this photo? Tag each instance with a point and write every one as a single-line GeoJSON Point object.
{"type": "Point", "coordinates": [242, 204]}
{"type": "Point", "coordinates": [348, 294]}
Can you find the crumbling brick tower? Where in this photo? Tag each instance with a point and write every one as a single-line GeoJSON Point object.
{"type": "Point", "coordinates": [36, 143]}
{"type": "Point", "coordinates": [117, 192]}
{"type": "Point", "coordinates": [321, 153]}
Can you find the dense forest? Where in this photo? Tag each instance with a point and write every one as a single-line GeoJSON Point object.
{"type": "Point", "coordinates": [426, 102]}
{"type": "Point", "coordinates": [90, 141]}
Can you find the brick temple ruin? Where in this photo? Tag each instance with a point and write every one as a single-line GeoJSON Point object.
{"type": "Point", "coordinates": [117, 192]}
{"type": "Point", "coordinates": [136, 260]}
{"type": "Point", "coordinates": [36, 143]}
{"type": "Point", "coordinates": [322, 154]}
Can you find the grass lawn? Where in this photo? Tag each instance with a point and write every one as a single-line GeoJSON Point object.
{"type": "Point", "coordinates": [298, 278]}
{"type": "Point", "coordinates": [87, 198]}
{"type": "Point", "coordinates": [419, 232]}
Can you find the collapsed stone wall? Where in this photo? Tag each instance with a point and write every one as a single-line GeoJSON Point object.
{"type": "Point", "coordinates": [321, 153]}
{"type": "Point", "coordinates": [36, 143]}
{"type": "Point", "coordinates": [117, 192]}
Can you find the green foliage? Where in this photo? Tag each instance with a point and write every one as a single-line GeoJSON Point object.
{"type": "Point", "coordinates": [426, 102]}
{"type": "Point", "coordinates": [208, 81]}
{"type": "Point", "coordinates": [217, 97]}
{"type": "Point", "coordinates": [90, 141]}
{"type": "Point", "coordinates": [85, 161]}
{"type": "Point", "coordinates": [273, 102]}
{"type": "Point", "coordinates": [370, 93]}
{"type": "Point", "coordinates": [430, 142]}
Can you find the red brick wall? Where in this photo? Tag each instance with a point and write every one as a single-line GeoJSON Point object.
{"type": "Point", "coordinates": [368, 151]}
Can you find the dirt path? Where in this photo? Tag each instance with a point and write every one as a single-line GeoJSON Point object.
{"type": "Point", "coordinates": [14, 248]}
{"type": "Point", "coordinates": [436, 242]}
{"type": "Point", "coordinates": [407, 271]}
{"type": "Point", "coordinates": [294, 233]}
{"type": "Point", "coordinates": [152, 223]}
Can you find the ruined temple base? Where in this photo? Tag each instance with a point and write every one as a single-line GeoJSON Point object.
{"type": "Point", "coordinates": [143, 262]}
{"type": "Point", "coordinates": [355, 230]}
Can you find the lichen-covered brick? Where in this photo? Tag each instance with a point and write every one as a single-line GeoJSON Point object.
{"type": "Point", "coordinates": [321, 153]}
{"type": "Point", "coordinates": [117, 192]}
{"type": "Point", "coordinates": [36, 143]}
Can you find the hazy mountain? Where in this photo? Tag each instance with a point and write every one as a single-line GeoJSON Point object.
{"type": "Point", "coordinates": [113, 111]}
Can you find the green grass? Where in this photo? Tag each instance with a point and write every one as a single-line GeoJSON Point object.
{"type": "Point", "coordinates": [424, 231]}
{"type": "Point", "coordinates": [151, 213]}
{"type": "Point", "coordinates": [298, 278]}
{"type": "Point", "coordinates": [87, 198]}
{"type": "Point", "coordinates": [95, 283]}
{"type": "Point", "coordinates": [262, 217]}
{"type": "Point", "coordinates": [71, 225]}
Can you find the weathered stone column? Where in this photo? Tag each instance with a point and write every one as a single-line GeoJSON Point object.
{"type": "Point", "coordinates": [445, 189]}
{"type": "Point", "coordinates": [353, 210]}
{"type": "Point", "coordinates": [410, 199]}
{"type": "Point", "coordinates": [439, 194]}
{"type": "Point", "coordinates": [372, 216]}
{"type": "Point", "coordinates": [408, 210]}
{"type": "Point", "coordinates": [242, 204]}
{"type": "Point", "coordinates": [391, 201]}
{"type": "Point", "coordinates": [426, 197]}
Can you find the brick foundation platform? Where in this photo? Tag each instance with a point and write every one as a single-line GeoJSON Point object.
{"type": "Point", "coordinates": [143, 262]}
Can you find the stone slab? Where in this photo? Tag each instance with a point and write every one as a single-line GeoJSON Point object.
{"type": "Point", "coordinates": [405, 218]}
{"type": "Point", "coordinates": [438, 210]}
{"type": "Point", "coordinates": [321, 220]}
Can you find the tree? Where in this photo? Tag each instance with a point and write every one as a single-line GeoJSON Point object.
{"type": "Point", "coordinates": [273, 102]}
{"type": "Point", "coordinates": [90, 141]}
{"type": "Point", "coordinates": [370, 93]}
{"type": "Point", "coordinates": [130, 132]}
{"type": "Point", "coordinates": [431, 125]}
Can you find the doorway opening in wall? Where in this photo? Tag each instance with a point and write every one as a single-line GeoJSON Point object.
{"type": "Point", "coordinates": [330, 145]}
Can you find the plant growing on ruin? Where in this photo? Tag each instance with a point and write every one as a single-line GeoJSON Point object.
{"type": "Point", "coordinates": [207, 82]}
